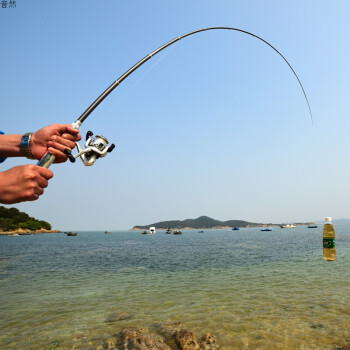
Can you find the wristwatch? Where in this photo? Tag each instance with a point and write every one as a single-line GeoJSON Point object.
{"type": "Point", "coordinates": [25, 146]}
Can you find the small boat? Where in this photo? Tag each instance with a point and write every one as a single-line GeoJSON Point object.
{"type": "Point", "coordinates": [71, 233]}
{"type": "Point", "coordinates": [312, 226]}
{"type": "Point", "coordinates": [235, 229]}
{"type": "Point", "coordinates": [168, 230]}
{"type": "Point", "coordinates": [152, 230]}
{"type": "Point", "coordinates": [177, 232]}
{"type": "Point", "coordinates": [13, 234]}
{"type": "Point", "coordinates": [266, 229]}
{"type": "Point", "coordinates": [288, 226]}
{"type": "Point", "coordinates": [107, 231]}
{"type": "Point", "coordinates": [144, 232]}
{"type": "Point", "coordinates": [200, 231]}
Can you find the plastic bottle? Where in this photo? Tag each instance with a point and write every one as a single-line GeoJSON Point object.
{"type": "Point", "coordinates": [328, 240]}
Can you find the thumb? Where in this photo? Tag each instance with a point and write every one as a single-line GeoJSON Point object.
{"type": "Point", "coordinates": [66, 128]}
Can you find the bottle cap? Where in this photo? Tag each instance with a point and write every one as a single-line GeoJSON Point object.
{"type": "Point", "coordinates": [328, 219]}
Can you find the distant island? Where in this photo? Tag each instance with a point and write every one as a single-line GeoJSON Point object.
{"type": "Point", "coordinates": [14, 221]}
{"type": "Point", "coordinates": [205, 222]}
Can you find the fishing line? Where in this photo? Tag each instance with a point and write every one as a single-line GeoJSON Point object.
{"type": "Point", "coordinates": [126, 93]}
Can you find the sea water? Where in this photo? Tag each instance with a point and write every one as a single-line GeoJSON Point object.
{"type": "Point", "coordinates": [250, 289]}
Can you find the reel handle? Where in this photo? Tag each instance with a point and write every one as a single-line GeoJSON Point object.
{"type": "Point", "coordinates": [111, 148]}
{"type": "Point", "coordinates": [70, 156]}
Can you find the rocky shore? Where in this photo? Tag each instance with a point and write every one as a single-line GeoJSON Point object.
{"type": "Point", "coordinates": [185, 228]}
{"type": "Point", "coordinates": [28, 232]}
{"type": "Point", "coordinates": [169, 336]}
{"type": "Point", "coordinates": [166, 336]}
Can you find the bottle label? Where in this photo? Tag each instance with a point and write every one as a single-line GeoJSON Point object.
{"type": "Point", "coordinates": [328, 243]}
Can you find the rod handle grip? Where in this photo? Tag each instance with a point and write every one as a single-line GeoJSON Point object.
{"type": "Point", "coordinates": [46, 161]}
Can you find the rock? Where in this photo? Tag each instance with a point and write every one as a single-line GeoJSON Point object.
{"type": "Point", "coordinates": [208, 342]}
{"type": "Point", "coordinates": [110, 343]}
{"type": "Point", "coordinates": [186, 339]}
{"type": "Point", "coordinates": [175, 337]}
{"type": "Point", "coordinates": [342, 347]}
{"type": "Point", "coordinates": [183, 338]}
{"type": "Point", "coordinates": [140, 339]}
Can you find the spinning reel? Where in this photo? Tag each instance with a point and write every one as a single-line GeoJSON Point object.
{"type": "Point", "coordinates": [94, 148]}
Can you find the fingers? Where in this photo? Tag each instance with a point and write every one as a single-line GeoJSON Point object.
{"type": "Point", "coordinates": [44, 172]}
{"type": "Point", "coordinates": [62, 128]}
{"type": "Point", "coordinates": [23, 183]}
{"type": "Point", "coordinates": [58, 144]}
{"type": "Point", "coordinates": [57, 150]}
{"type": "Point", "coordinates": [34, 197]}
{"type": "Point", "coordinates": [31, 181]}
{"type": "Point", "coordinates": [71, 137]}
{"type": "Point", "coordinates": [44, 175]}
{"type": "Point", "coordinates": [66, 129]}
{"type": "Point", "coordinates": [61, 143]}
{"type": "Point", "coordinates": [40, 181]}
{"type": "Point", "coordinates": [60, 157]}
{"type": "Point", "coordinates": [55, 136]}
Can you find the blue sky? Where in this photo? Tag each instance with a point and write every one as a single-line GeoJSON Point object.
{"type": "Point", "coordinates": [215, 125]}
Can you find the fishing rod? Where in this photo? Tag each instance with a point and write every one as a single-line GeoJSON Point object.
{"type": "Point", "coordinates": [97, 147]}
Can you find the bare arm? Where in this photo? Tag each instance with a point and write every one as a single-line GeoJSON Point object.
{"type": "Point", "coordinates": [10, 146]}
{"type": "Point", "coordinates": [53, 138]}
{"type": "Point", "coordinates": [27, 182]}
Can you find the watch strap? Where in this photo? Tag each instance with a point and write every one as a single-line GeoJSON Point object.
{"type": "Point", "coordinates": [25, 145]}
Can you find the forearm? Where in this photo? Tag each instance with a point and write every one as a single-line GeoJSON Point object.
{"type": "Point", "coordinates": [54, 138]}
{"type": "Point", "coordinates": [10, 146]}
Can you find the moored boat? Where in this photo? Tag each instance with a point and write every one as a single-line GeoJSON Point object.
{"type": "Point", "coordinates": [71, 233]}
{"type": "Point", "coordinates": [266, 229]}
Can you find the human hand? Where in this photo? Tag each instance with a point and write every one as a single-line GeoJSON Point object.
{"type": "Point", "coordinates": [23, 183]}
{"type": "Point", "coordinates": [54, 138]}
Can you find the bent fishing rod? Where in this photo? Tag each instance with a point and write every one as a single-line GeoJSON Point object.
{"type": "Point", "coordinates": [97, 147]}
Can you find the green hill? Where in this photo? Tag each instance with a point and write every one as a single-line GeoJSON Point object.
{"type": "Point", "coordinates": [11, 219]}
{"type": "Point", "coordinates": [199, 223]}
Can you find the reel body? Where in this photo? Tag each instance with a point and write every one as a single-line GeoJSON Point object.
{"type": "Point", "coordinates": [95, 147]}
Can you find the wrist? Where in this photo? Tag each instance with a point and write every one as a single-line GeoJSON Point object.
{"type": "Point", "coordinates": [25, 145]}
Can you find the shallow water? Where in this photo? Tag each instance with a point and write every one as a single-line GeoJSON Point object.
{"type": "Point", "coordinates": [251, 289]}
